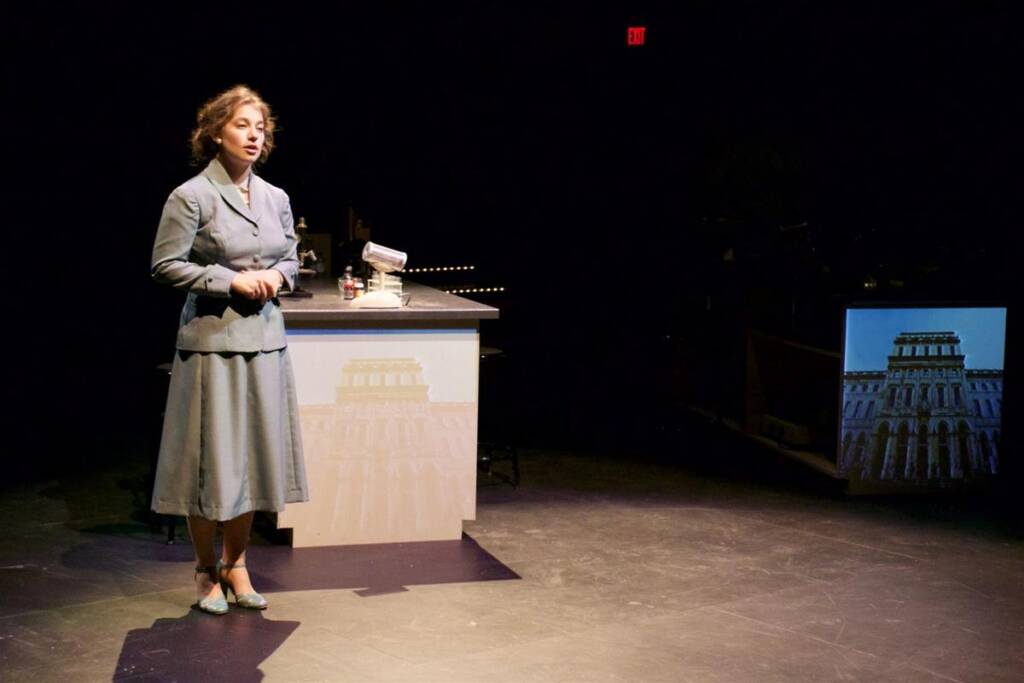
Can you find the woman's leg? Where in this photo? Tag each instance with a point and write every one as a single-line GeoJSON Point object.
{"type": "Point", "coordinates": [236, 538]}
{"type": "Point", "coordinates": [203, 532]}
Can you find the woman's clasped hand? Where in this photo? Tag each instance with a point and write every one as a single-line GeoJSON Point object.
{"type": "Point", "coordinates": [257, 285]}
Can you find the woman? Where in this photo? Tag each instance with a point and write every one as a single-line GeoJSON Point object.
{"type": "Point", "coordinates": [231, 443]}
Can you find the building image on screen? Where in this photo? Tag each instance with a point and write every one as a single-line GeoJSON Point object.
{"type": "Point", "coordinates": [924, 416]}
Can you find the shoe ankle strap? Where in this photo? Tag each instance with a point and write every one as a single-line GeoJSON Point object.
{"type": "Point", "coordinates": [239, 565]}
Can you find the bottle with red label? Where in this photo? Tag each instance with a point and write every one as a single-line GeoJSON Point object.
{"type": "Point", "coordinates": [348, 284]}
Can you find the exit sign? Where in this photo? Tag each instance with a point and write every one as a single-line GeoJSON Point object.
{"type": "Point", "coordinates": [635, 35]}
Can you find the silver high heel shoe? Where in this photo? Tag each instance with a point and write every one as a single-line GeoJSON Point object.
{"type": "Point", "coordinates": [211, 605]}
{"type": "Point", "coordinates": [250, 600]}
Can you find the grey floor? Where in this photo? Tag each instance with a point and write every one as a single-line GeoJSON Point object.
{"type": "Point", "coordinates": [595, 569]}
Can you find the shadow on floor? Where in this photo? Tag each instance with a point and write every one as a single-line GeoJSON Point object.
{"type": "Point", "coordinates": [374, 569]}
{"type": "Point", "coordinates": [202, 647]}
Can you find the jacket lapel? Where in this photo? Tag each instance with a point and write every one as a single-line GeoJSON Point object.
{"type": "Point", "coordinates": [217, 175]}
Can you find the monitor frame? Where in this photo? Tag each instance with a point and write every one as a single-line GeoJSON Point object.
{"type": "Point", "coordinates": [914, 304]}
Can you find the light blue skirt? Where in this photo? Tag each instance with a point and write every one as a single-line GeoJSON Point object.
{"type": "Point", "coordinates": [231, 441]}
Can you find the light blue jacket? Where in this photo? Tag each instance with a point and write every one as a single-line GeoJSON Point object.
{"type": "Point", "coordinates": [207, 235]}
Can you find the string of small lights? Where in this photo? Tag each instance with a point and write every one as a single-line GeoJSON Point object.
{"type": "Point", "coordinates": [437, 269]}
{"type": "Point", "coordinates": [462, 290]}
{"type": "Point", "coordinates": [475, 290]}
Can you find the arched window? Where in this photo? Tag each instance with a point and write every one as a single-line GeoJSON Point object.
{"type": "Point", "coordinates": [874, 469]}
{"type": "Point", "coordinates": [995, 450]}
{"type": "Point", "coordinates": [944, 464]}
{"type": "Point", "coordinates": [940, 395]}
{"type": "Point", "coordinates": [988, 404]}
{"type": "Point", "coordinates": [986, 452]}
{"type": "Point", "coordinates": [847, 445]}
{"type": "Point", "coordinates": [892, 398]}
{"type": "Point", "coordinates": [921, 461]}
{"type": "Point", "coordinates": [956, 395]}
{"type": "Point", "coordinates": [963, 433]}
{"type": "Point", "coordinates": [858, 449]}
{"type": "Point", "coordinates": [900, 456]}
{"type": "Point", "coordinates": [870, 410]}
{"type": "Point", "coordinates": [908, 396]}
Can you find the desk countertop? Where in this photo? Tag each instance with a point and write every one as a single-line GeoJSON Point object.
{"type": "Point", "coordinates": [425, 303]}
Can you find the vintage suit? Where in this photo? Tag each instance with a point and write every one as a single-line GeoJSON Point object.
{"type": "Point", "coordinates": [231, 441]}
{"type": "Point", "coordinates": [207, 235]}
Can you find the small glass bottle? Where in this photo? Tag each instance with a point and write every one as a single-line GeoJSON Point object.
{"type": "Point", "coordinates": [348, 284]}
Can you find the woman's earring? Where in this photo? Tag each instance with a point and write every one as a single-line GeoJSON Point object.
{"type": "Point", "coordinates": [217, 140]}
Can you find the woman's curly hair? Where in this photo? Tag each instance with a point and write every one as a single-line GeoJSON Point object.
{"type": "Point", "coordinates": [217, 112]}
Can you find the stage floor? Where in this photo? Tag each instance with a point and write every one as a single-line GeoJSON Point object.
{"type": "Point", "coordinates": [595, 569]}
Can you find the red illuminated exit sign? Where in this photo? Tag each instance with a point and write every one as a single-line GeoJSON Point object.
{"type": "Point", "coordinates": [635, 35]}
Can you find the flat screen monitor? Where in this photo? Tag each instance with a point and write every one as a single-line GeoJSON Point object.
{"type": "Point", "coordinates": [922, 394]}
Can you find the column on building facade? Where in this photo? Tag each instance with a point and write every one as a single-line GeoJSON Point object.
{"type": "Point", "coordinates": [861, 446]}
{"type": "Point", "coordinates": [845, 448]}
{"type": "Point", "coordinates": [910, 471]}
{"type": "Point", "coordinates": [890, 453]}
{"type": "Point", "coordinates": [870, 452]}
{"type": "Point", "coordinates": [933, 454]}
{"type": "Point", "coordinates": [955, 470]}
{"type": "Point", "coordinates": [972, 452]}
{"type": "Point", "coordinates": [993, 457]}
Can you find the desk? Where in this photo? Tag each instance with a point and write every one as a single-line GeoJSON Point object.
{"type": "Point", "coordinates": [388, 408]}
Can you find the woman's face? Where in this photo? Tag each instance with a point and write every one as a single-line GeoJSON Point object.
{"type": "Point", "coordinates": [242, 137]}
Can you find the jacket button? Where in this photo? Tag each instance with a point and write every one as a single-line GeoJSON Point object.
{"type": "Point", "coordinates": [255, 232]}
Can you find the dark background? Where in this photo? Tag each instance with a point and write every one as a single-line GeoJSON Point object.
{"type": "Point", "coordinates": [821, 145]}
